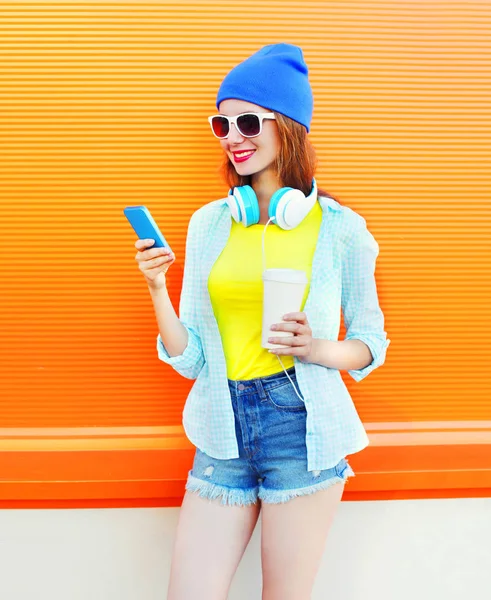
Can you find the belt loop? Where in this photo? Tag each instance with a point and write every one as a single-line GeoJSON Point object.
{"type": "Point", "coordinates": [260, 389]}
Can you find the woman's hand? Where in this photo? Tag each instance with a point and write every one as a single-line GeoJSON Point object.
{"type": "Point", "coordinates": [153, 263]}
{"type": "Point", "coordinates": [300, 343]}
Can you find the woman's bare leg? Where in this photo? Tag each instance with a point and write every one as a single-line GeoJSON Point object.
{"type": "Point", "coordinates": [293, 538]}
{"type": "Point", "coordinates": [210, 541]}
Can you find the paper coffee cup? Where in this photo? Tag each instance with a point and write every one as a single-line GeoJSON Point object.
{"type": "Point", "coordinates": [283, 291]}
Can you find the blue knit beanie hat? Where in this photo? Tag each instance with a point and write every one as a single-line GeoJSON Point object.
{"type": "Point", "coordinates": [275, 77]}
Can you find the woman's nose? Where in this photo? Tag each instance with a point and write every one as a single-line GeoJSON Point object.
{"type": "Point", "coordinates": [234, 135]}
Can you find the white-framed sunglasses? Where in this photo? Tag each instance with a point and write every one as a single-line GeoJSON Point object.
{"type": "Point", "coordinates": [249, 124]}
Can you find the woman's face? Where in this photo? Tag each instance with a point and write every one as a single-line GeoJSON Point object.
{"type": "Point", "coordinates": [265, 146]}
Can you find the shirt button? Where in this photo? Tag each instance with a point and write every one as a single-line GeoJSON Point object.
{"type": "Point", "coordinates": [241, 386]}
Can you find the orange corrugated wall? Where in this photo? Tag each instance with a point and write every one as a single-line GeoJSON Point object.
{"type": "Point", "coordinates": [104, 105]}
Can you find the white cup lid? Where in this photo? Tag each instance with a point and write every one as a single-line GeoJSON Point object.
{"type": "Point", "coordinates": [285, 275]}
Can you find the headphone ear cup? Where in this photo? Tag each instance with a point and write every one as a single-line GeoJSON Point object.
{"type": "Point", "coordinates": [274, 203]}
{"type": "Point", "coordinates": [289, 207]}
{"type": "Point", "coordinates": [244, 205]}
{"type": "Point", "coordinates": [234, 206]}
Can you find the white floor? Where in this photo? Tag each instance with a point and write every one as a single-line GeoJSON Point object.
{"type": "Point", "coordinates": [380, 550]}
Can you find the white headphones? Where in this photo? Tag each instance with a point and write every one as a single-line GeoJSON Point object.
{"type": "Point", "coordinates": [288, 206]}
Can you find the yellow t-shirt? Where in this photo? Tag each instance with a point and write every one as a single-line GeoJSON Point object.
{"type": "Point", "coordinates": [236, 289]}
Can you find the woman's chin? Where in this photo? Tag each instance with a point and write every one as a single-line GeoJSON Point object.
{"type": "Point", "coordinates": [243, 170]}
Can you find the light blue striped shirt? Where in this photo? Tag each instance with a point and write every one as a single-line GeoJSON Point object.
{"type": "Point", "coordinates": [342, 277]}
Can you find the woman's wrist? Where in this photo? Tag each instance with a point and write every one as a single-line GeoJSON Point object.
{"type": "Point", "coordinates": [321, 352]}
{"type": "Point", "coordinates": [157, 289]}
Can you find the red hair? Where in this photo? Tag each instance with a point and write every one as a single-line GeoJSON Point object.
{"type": "Point", "coordinates": [295, 163]}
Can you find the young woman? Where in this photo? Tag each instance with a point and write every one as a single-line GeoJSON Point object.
{"type": "Point", "coordinates": [272, 429]}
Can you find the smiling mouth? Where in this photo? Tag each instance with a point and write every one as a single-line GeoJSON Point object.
{"type": "Point", "coordinates": [241, 156]}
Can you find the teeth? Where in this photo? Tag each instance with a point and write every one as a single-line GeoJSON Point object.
{"type": "Point", "coordinates": [244, 153]}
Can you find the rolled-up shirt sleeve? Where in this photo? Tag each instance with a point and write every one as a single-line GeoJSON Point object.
{"type": "Point", "coordinates": [363, 317]}
{"type": "Point", "coordinates": [191, 361]}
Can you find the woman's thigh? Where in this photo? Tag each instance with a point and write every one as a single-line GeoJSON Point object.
{"type": "Point", "coordinates": [210, 540]}
{"type": "Point", "coordinates": [293, 539]}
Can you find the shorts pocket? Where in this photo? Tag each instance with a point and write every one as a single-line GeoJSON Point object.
{"type": "Point", "coordinates": [284, 397]}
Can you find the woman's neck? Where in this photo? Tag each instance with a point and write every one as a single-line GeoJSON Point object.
{"type": "Point", "coordinates": [264, 184]}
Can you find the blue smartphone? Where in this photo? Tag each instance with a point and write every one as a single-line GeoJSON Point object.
{"type": "Point", "coordinates": [145, 226]}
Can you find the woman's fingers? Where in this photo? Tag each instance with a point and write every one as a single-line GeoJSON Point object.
{"type": "Point", "coordinates": [153, 262]}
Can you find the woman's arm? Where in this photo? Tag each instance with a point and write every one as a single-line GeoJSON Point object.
{"type": "Point", "coordinates": [178, 342]}
{"type": "Point", "coordinates": [173, 334]}
{"type": "Point", "coordinates": [363, 317]}
{"type": "Point", "coordinates": [347, 355]}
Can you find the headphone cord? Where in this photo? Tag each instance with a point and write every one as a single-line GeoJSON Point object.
{"type": "Point", "coordinates": [264, 251]}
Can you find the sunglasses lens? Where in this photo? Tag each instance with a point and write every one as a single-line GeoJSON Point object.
{"type": "Point", "coordinates": [220, 126]}
{"type": "Point", "coordinates": [248, 124]}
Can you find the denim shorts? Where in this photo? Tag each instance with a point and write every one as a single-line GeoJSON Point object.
{"type": "Point", "coordinates": [270, 425]}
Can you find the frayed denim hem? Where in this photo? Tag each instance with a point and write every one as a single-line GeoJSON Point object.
{"type": "Point", "coordinates": [229, 496]}
{"type": "Point", "coordinates": [280, 496]}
